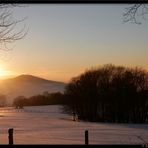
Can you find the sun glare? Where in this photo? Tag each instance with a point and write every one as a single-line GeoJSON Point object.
{"type": "Point", "coordinates": [4, 73]}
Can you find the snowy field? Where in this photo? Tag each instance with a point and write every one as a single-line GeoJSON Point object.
{"type": "Point", "coordinates": [49, 125]}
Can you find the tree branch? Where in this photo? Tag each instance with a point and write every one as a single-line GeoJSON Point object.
{"type": "Point", "coordinates": [8, 25]}
{"type": "Point", "coordinates": [134, 12]}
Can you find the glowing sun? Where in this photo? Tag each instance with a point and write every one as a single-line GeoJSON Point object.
{"type": "Point", "coordinates": [4, 73]}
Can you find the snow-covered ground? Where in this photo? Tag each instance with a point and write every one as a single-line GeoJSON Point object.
{"type": "Point", "coordinates": [49, 125]}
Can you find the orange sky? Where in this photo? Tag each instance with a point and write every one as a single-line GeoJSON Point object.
{"type": "Point", "coordinates": [65, 40]}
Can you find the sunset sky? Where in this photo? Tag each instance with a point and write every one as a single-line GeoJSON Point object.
{"type": "Point", "coordinates": [66, 39]}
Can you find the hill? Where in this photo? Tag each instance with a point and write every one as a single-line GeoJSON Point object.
{"type": "Point", "coordinates": [28, 85]}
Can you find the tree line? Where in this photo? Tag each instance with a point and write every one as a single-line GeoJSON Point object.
{"type": "Point", "coordinates": [109, 94]}
{"type": "Point", "coordinates": [37, 100]}
{"type": "Point", "coordinates": [105, 94]}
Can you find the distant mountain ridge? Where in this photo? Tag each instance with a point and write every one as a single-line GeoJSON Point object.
{"type": "Point", "coordinates": [25, 77]}
{"type": "Point", "coordinates": [28, 85]}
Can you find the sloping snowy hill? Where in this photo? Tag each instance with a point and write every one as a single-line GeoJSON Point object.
{"type": "Point", "coordinates": [28, 85]}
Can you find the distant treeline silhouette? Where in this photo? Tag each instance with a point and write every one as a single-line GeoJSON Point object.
{"type": "Point", "coordinates": [37, 100]}
{"type": "Point", "coordinates": [109, 94]}
{"type": "Point", "coordinates": [105, 94]}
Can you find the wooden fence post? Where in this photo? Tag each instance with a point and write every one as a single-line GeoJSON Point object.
{"type": "Point", "coordinates": [10, 136]}
{"type": "Point", "coordinates": [86, 137]}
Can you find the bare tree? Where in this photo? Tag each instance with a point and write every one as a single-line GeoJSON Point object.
{"type": "Point", "coordinates": [8, 26]}
{"type": "Point", "coordinates": [135, 12]}
{"type": "Point", "coordinates": [109, 93]}
{"type": "Point", "coordinates": [3, 100]}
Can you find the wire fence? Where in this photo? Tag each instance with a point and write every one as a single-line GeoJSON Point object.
{"type": "Point", "coordinates": [10, 135]}
{"type": "Point", "coordinates": [10, 132]}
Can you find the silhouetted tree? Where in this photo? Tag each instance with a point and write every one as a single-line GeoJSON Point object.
{"type": "Point", "coordinates": [134, 12]}
{"type": "Point", "coordinates": [19, 102]}
{"type": "Point", "coordinates": [41, 99]}
{"type": "Point", "coordinates": [3, 100]}
{"type": "Point", "coordinates": [9, 31]}
{"type": "Point", "coordinates": [109, 93]}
